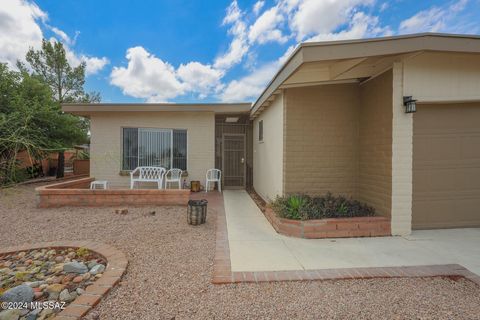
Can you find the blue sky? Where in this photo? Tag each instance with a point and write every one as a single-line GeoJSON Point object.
{"type": "Point", "coordinates": [207, 51]}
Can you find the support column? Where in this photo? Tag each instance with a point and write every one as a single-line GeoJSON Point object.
{"type": "Point", "coordinates": [402, 158]}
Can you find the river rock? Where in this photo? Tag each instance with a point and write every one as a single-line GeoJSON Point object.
{"type": "Point", "coordinates": [21, 293]}
{"type": "Point", "coordinates": [99, 268]}
{"type": "Point", "coordinates": [75, 267]}
{"type": "Point", "coordinates": [12, 314]}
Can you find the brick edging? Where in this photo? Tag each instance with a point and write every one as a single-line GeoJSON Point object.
{"type": "Point", "coordinates": [77, 193]}
{"type": "Point", "coordinates": [376, 226]}
{"type": "Point", "coordinates": [116, 266]}
{"type": "Point", "coordinates": [223, 274]}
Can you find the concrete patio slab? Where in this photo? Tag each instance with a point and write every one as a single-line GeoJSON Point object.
{"type": "Point", "coordinates": [255, 246]}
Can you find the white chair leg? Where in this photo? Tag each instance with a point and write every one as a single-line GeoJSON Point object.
{"type": "Point", "coordinates": [206, 186]}
{"type": "Point", "coordinates": [219, 186]}
{"type": "Point", "coordinates": [179, 184]}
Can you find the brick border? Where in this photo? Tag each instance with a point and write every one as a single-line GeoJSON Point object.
{"type": "Point", "coordinates": [116, 266]}
{"type": "Point", "coordinates": [77, 193]}
{"type": "Point", "coordinates": [329, 228]}
{"type": "Point", "coordinates": [222, 271]}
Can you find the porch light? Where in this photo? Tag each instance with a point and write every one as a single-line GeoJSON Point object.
{"type": "Point", "coordinates": [231, 119]}
{"type": "Point", "coordinates": [410, 104]}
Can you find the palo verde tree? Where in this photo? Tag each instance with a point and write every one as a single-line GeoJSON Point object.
{"type": "Point", "coordinates": [66, 83]}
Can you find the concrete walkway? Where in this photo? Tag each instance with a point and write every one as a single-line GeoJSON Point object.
{"type": "Point", "coordinates": [255, 245]}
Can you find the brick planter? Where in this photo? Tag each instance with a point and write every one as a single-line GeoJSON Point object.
{"type": "Point", "coordinates": [76, 193]}
{"type": "Point", "coordinates": [330, 228]}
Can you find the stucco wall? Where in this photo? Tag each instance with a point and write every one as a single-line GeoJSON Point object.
{"type": "Point", "coordinates": [106, 144]}
{"type": "Point", "coordinates": [268, 155]}
{"type": "Point", "coordinates": [437, 76]}
{"type": "Point", "coordinates": [321, 149]}
{"type": "Point", "coordinates": [375, 143]}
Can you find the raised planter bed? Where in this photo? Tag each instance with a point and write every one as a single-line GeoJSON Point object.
{"type": "Point", "coordinates": [76, 193]}
{"type": "Point", "coordinates": [330, 228]}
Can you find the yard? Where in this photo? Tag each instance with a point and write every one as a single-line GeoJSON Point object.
{"type": "Point", "coordinates": [170, 269]}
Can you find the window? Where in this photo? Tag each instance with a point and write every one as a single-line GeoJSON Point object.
{"type": "Point", "coordinates": [154, 147]}
{"type": "Point", "coordinates": [260, 130]}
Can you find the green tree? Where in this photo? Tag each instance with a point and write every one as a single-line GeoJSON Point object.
{"type": "Point", "coordinates": [66, 82]}
{"type": "Point", "coordinates": [50, 64]}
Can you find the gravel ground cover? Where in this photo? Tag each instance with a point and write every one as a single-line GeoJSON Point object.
{"type": "Point", "coordinates": [46, 276]}
{"type": "Point", "coordinates": [170, 266]}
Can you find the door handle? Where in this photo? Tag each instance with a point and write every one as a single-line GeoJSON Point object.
{"type": "Point", "coordinates": [243, 160]}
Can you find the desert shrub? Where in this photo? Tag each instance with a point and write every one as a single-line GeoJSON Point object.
{"type": "Point", "coordinates": [296, 207]}
{"type": "Point", "coordinates": [303, 207]}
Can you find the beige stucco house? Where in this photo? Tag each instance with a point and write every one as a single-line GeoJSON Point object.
{"type": "Point", "coordinates": [332, 119]}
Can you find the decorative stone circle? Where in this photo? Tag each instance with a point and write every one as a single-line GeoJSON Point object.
{"type": "Point", "coordinates": [88, 271]}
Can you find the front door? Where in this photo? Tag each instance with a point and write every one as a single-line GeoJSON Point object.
{"type": "Point", "coordinates": [233, 160]}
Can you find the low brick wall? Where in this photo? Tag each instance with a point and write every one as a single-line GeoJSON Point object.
{"type": "Point", "coordinates": [76, 193]}
{"type": "Point", "coordinates": [330, 228]}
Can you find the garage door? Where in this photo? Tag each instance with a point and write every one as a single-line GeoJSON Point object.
{"type": "Point", "coordinates": [446, 166]}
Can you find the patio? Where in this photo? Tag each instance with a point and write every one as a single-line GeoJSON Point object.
{"type": "Point", "coordinates": [170, 270]}
{"type": "Point", "coordinates": [255, 246]}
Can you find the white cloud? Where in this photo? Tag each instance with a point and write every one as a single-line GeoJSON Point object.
{"type": "Point", "coordinates": [19, 30]}
{"type": "Point", "coordinates": [311, 17]}
{"type": "Point", "coordinates": [436, 19]}
{"type": "Point", "coordinates": [149, 77]}
{"type": "Point", "coordinates": [266, 29]}
{"type": "Point", "coordinates": [360, 26]}
{"type": "Point", "coordinates": [199, 78]}
{"type": "Point", "coordinates": [239, 45]}
{"type": "Point", "coordinates": [258, 6]}
{"type": "Point", "coordinates": [251, 86]}
{"type": "Point", "coordinates": [92, 64]}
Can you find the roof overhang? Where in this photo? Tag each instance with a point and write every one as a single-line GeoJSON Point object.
{"type": "Point", "coordinates": [88, 109]}
{"type": "Point", "coordinates": [316, 63]}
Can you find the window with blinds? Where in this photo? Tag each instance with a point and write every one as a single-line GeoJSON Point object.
{"type": "Point", "coordinates": [165, 148]}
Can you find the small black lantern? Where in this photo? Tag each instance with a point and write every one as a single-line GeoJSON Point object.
{"type": "Point", "coordinates": [410, 104]}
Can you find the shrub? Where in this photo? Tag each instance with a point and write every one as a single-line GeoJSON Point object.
{"type": "Point", "coordinates": [296, 207]}
{"type": "Point", "coordinates": [303, 207]}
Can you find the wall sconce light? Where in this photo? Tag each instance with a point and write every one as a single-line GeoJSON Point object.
{"type": "Point", "coordinates": [410, 104]}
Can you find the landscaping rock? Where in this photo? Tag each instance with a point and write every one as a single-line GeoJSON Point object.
{"type": "Point", "coordinates": [77, 279]}
{"type": "Point", "coordinates": [12, 314]}
{"type": "Point", "coordinates": [80, 291]}
{"type": "Point", "coordinates": [90, 264]}
{"type": "Point", "coordinates": [121, 211]}
{"type": "Point", "coordinates": [65, 296]}
{"type": "Point", "coordinates": [55, 288]}
{"type": "Point", "coordinates": [99, 268]}
{"type": "Point", "coordinates": [21, 293]}
{"type": "Point", "coordinates": [75, 267]}
{"type": "Point", "coordinates": [33, 314]}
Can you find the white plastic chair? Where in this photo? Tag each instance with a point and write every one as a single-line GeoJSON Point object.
{"type": "Point", "coordinates": [147, 174]}
{"type": "Point", "coordinates": [213, 175]}
{"type": "Point", "coordinates": [173, 176]}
